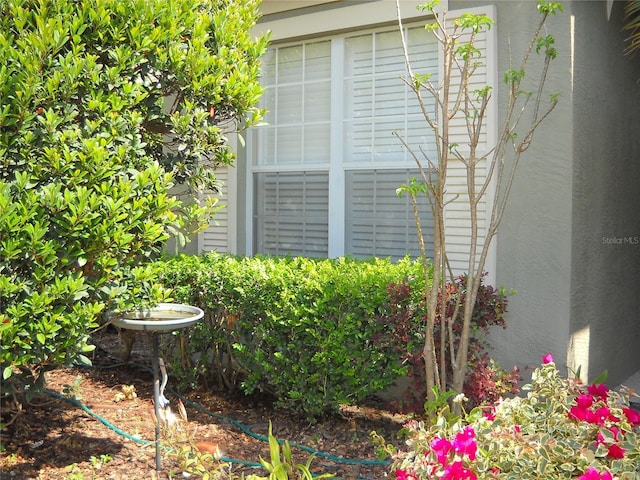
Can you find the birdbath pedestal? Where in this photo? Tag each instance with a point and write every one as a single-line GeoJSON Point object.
{"type": "Point", "coordinates": [163, 318]}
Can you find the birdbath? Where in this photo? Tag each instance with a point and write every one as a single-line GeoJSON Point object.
{"type": "Point", "coordinates": [163, 318]}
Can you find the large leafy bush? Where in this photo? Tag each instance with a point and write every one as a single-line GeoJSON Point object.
{"type": "Point", "coordinates": [314, 333]}
{"type": "Point", "coordinates": [104, 105]}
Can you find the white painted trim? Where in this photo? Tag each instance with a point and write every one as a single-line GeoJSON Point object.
{"type": "Point", "coordinates": [278, 6]}
{"type": "Point", "coordinates": [346, 16]}
{"type": "Point", "coordinates": [232, 208]}
{"type": "Point", "coordinates": [493, 79]}
{"type": "Point", "coordinates": [336, 222]}
{"type": "Point", "coordinates": [248, 195]}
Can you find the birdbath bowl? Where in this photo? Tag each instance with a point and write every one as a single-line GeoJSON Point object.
{"type": "Point", "coordinates": [163, 318]}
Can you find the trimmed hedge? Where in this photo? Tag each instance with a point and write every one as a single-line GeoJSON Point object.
{"type": "Point", "coordinates": [314, 333]}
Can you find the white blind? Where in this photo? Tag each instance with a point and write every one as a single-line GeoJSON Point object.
{"type": "Point", "coordinates": [215, 237]}
{"type": "Point", "coordinates": [297, 80]}
{"type": "Point", "coordinates": [304, 166]}
{"type": "Point", "coordinates": [457, 212]}
{"type": "Point", "coordinates": [291, 213]}
{"type": "Point", "coordinates": [378, 223]}
{"type": "Point", "coordinates": [378, 103]}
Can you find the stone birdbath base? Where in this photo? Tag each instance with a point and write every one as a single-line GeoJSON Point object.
{"type": "Point", "coordinates": [163, 318]}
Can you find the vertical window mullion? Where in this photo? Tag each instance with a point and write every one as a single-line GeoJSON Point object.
{"type": "Point", "coordinates": [372, 132]}
{"type": "Point", "coordinates": [336, 164]}
{"type": "Point", "coordinates": [302, 102]}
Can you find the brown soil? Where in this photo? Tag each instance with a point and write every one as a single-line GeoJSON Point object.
{"type": "Point", "coordinates": [53, 438]}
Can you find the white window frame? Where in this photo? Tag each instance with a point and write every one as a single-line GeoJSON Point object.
{"type": "Point", "coordinates": [325, 24]}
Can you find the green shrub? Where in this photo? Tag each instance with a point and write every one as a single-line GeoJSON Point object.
{"type": "Point", "coordinates": [485, 381]}
{"type": "Point", "coordinates": [105, 104]}
{"type": "Point", "coordinates": [314, 333]}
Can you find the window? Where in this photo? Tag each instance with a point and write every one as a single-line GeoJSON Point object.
{"type": "Point", "coordinates": [326, 166]}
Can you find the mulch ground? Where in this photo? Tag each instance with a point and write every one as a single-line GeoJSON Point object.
{"type": "Point", "coordinates": [54, 438]}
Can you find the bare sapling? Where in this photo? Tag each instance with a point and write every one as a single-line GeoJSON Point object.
{"type": "Point", "coordinates": [462, 110]}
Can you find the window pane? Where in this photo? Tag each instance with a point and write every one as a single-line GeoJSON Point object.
{"type": "Point", "coordinates": [289, 104]}
{"type": "Point", "coordinates": [317, 102]}
{"type": "Point", "coordinates": [358, 58]}
{"type": "Point", "coordinates": [298, 104]}
{"type": "Point", "coordinates": [388, 54]}
{"type": "Point", "coordinates": [378, 223]}
{"type": "Point", "coordinates": [291, 213]}
{"type": "Point", "coordinates": [268, 72]}
{"type": "Point", "coordinates": [289, 146]}
{"type": "Point", "coordinates": [317, 61]}
{"type": "Point", "coordinates": [263, 140]}
{"type": "Point", "coordinates": [289, 64]}
{"type": "Point", "coordinates": [377, 103]}
{"type": "Point", "coordinates": [316, 143]}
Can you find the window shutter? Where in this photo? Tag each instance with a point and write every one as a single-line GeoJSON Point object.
{"type": "Point", "coordinates": [378, 222]}
{"type": "Point", "coordinates": [291, 213]}
{"type": "Point", "coordinates": [215, 236]}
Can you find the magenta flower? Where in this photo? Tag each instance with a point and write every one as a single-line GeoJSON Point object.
{"type": "Point", "coordinates": [457, 471]}
{"type": "Point", "coordinates": [584, 401]}
{"type": "Point", "coordinates": [600, 390]}
{"type": "Point", "coordinates": [616, 432]}
{"type": "Point", "coordinates": [599, 416]}
{"type": "Point", "coordinates": [580, 414]}
{"type": "Point", "coordinates": [490, 414]}
{"type": "Point", "coordinates": [404, 475]}
{"type": "Point", "coordinates": [441, 447]}
{"type": "Point", "coordinates": [593, 474]}
{"type": "Point", "coordinates": [548, 358]}
{"type": "Point", "coordinates": [465, 443]}
{"type": "Point", "coordinates": [633, 416]}
{"type": "Point", "coordinates": [615, 451]}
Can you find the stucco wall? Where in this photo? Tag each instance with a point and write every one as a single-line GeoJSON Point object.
{"type": "Point", "coordinates": [605, 294]}
{"type": "Point", "coordinates": [576, 195]}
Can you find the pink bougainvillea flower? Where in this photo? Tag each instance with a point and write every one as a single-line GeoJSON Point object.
{"type": "Point", "coordinates": [490, 414]}
{"type": "Point", "coordinates": [615, 451]}
{"type": "Point", "coordinates": [600, 390]}
{"type": "Point", "coordinates": [404, 475]}
{"type": "Point", "coordinates": [584, 401]}
{"type": "Point", "coordinates": [457, 471]}
{"type": "Point", "coordinates": [548, 358]}
{"type": "Point", "coordinates": [633, 416]}
{"type": "Point", "coordinates": [465, 443]}
{"type": "Point", "coordinates": [593, 474]}
{"type": "Point", "coordinates": [599, 416]}
{"type": "Point", "coordinates": [441, 447]}
{"type": "Point", "coordinates": [616, 432]}
{"type": "Point", "coordinates": [577, 413]}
